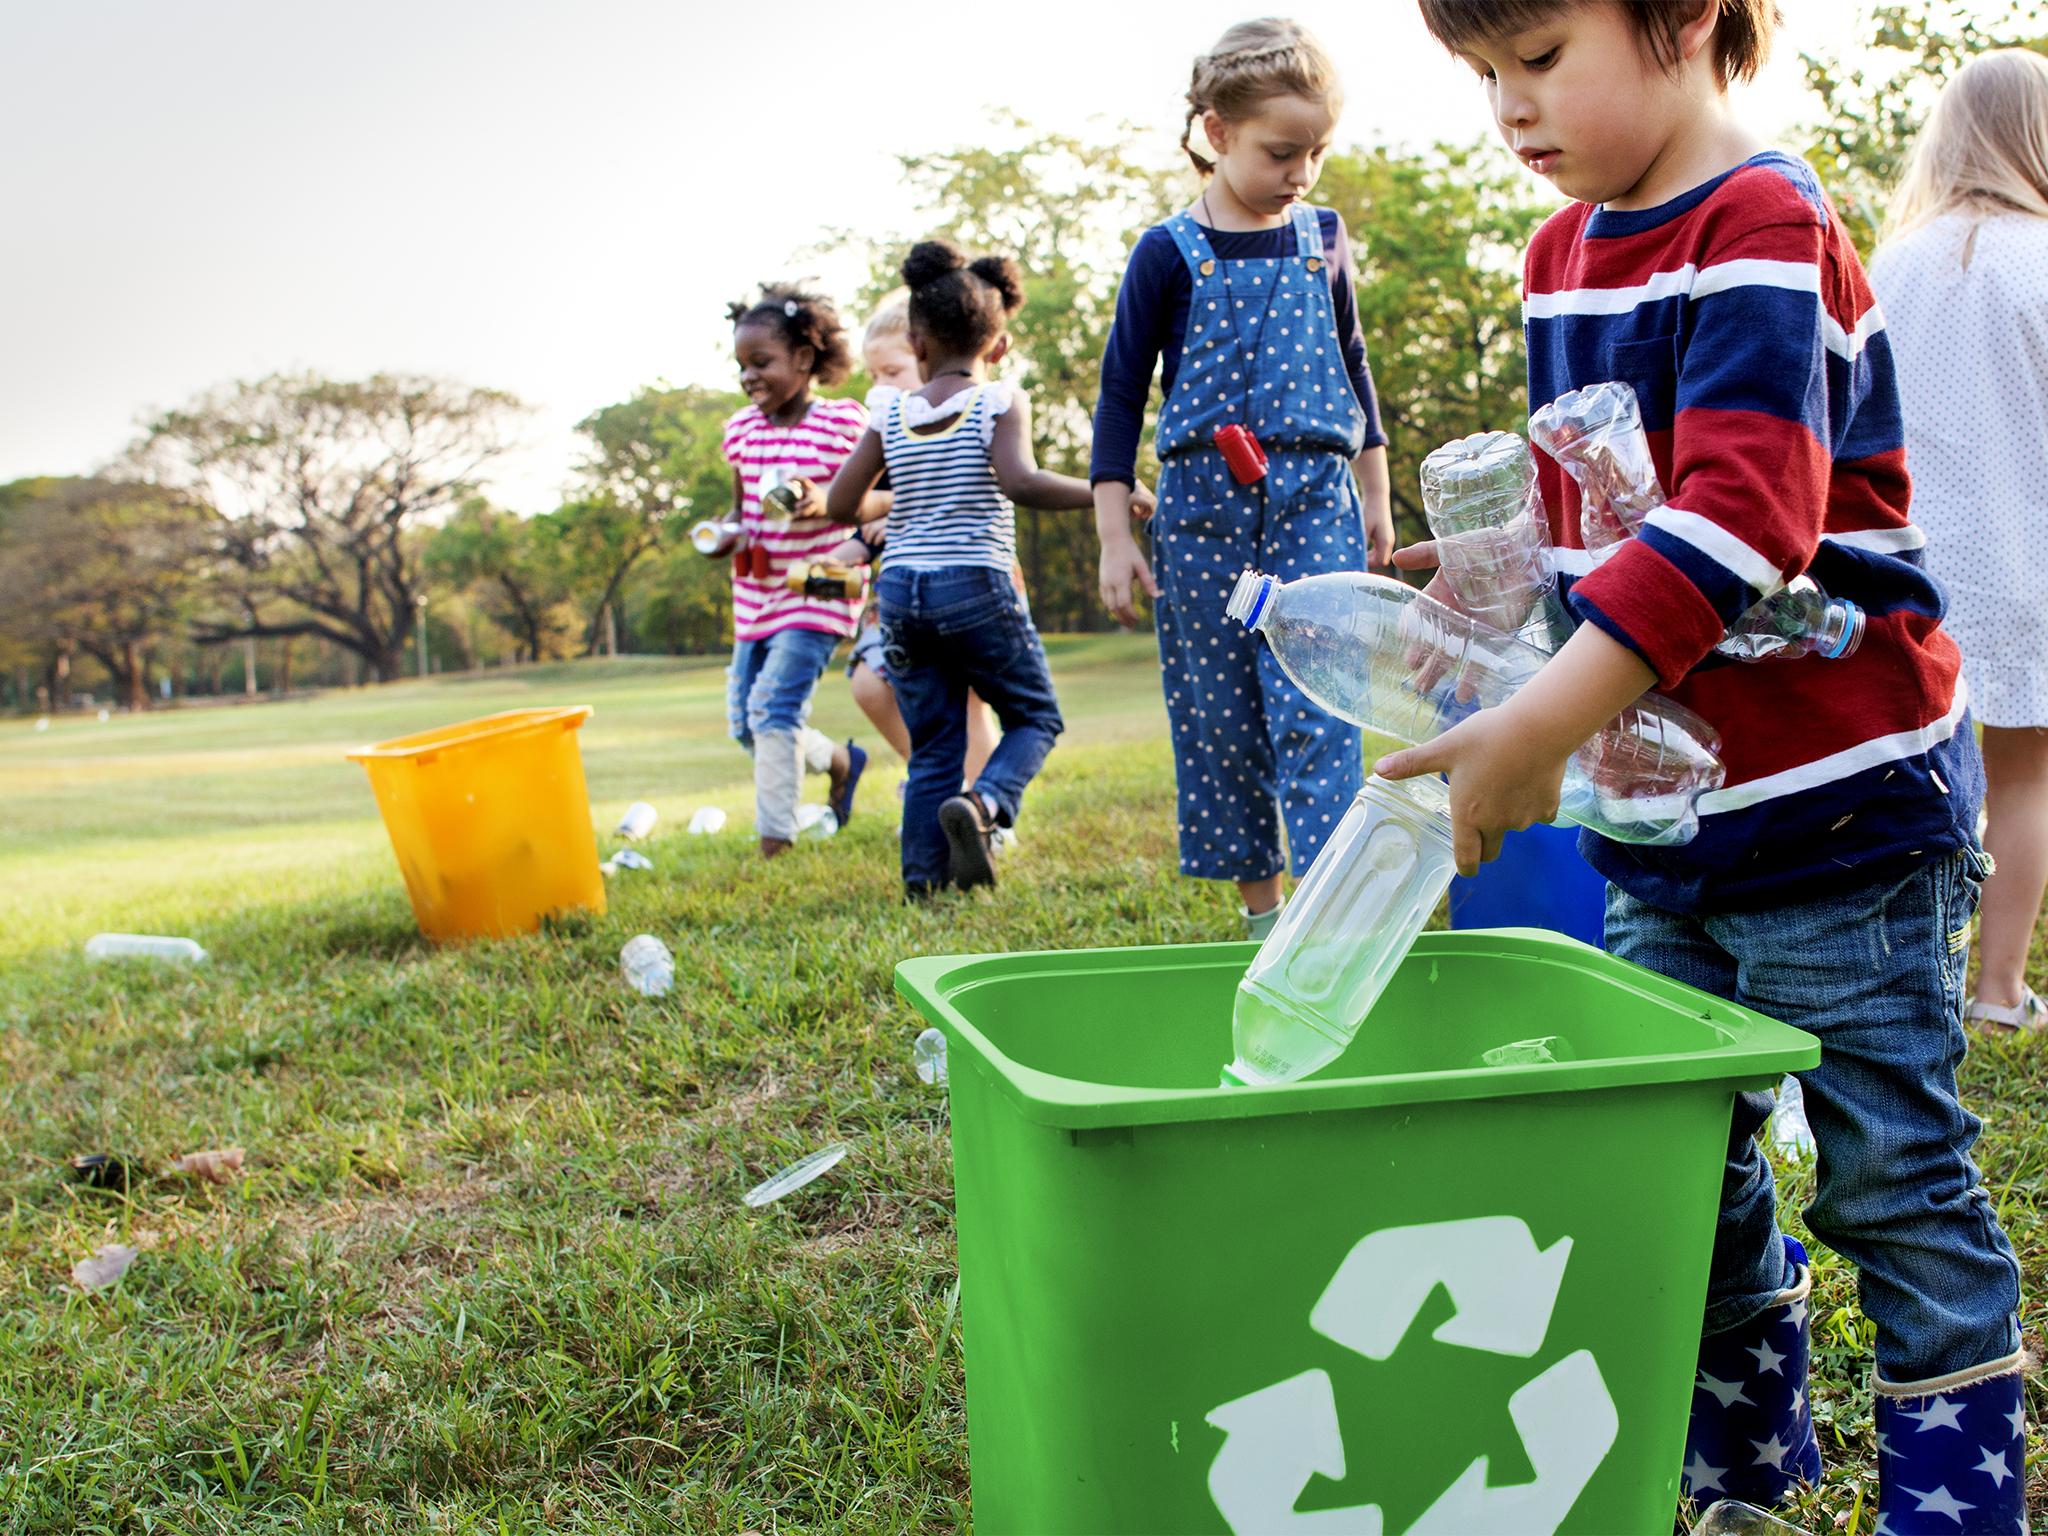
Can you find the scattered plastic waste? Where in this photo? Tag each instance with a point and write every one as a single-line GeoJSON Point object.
{"type": "Point", "coordinates": [100, 1170]}
{"type": "Point", "coordinates": [1732, 1517]}
{"type": "Point", "coordinates": [1789, 1131]}
{"type": "Point", "coordinates": [928, 1054]}
{"type": "Point", "coordinates": [1000, 839]}
{"type": "Point", "coordinates": [707, 820]}
{"type": "Point", "coordinates": [647, 965]}
{"type": "Point", "coordinates": [217, 1165]}
{"type": "Point", "coordinates": [1540, 1051]}
{"type": "Point", "coordinates": [43, 722]}
{"type": "Point", "coordinates": [105, 716]}
{"type": "Point", "coordinates": [109, 1262]}
{"type": "Point", "coordinates": [638, 821]}
{"type": "Point", "coordinates": [143, 946]}
{"type": "Point", "coordinates": [796, 1175]}
{"type": "Point", "coordinates": [625, 858]}
{"type": "Point", "coordinates": [816, 821]}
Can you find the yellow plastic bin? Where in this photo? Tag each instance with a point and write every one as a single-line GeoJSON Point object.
{"type": "Point", "coordinates": [490, 821]}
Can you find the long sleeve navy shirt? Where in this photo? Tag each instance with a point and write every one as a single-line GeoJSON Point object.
{"type": "Point", "coordinates": [1152, 322]}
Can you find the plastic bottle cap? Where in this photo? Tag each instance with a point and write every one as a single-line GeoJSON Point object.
{"type": "Point", "coordinates": [1249, 597]}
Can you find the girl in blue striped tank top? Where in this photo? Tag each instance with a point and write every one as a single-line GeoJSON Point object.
{"type": "Point", "coordinates": [959, 457]}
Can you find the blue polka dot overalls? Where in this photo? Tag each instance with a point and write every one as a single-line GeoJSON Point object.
{"type": "Point", "coordinates": [1249, 748]}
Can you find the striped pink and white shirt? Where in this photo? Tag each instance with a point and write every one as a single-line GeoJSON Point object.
{"type": "Point", "coordinates": [812, 448]}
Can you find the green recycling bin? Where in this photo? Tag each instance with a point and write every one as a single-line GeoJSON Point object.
{"type": "Point", "coordinates": [1450, 1286]}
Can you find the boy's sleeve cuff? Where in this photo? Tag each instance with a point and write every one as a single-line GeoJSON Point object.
{"type": "Point", "coordinates": [1645, 602]}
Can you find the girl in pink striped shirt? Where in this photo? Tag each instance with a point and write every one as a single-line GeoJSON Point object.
{"type": "Point", "coordinates": [784, 343]}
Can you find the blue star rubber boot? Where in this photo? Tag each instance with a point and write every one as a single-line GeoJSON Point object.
{"type": "Point", "coordinates": [1953, 1458]}
{"type": "Point", "coordinates": [1750, 1436]}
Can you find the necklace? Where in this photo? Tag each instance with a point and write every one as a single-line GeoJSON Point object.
{"type": "Point", "coordinates": [954, 373]}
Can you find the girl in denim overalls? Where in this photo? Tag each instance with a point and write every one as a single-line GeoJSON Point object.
{"type": "Point", "coordinates": [1248, 296]}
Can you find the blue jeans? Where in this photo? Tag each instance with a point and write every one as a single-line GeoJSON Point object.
{"type": "Point", "coordinates": [769, 685]}
{"type": "Point", "coordinates": [943, 632]}
{"type": "Point", "coordinates": [767, 701]}
{"type": "Point", "coordinates": [1877, 974]}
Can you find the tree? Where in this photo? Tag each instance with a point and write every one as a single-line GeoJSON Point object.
{"type": "Point", "coordinates": [322, 481]}
{"type": "Point", "coordinates": [103, 567]}
{"type": "Point", "coordinates": [1872, 110]}
{"type": "Point", "coordinates": [1438, 237]}
{"type": "Point", "coordinates": [516, 570]}
{"type": "Point", "coordinates": [655, 462]}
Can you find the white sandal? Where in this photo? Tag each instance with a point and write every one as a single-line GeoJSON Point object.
{"type": "Point", "coordinates": [2027, 1016]}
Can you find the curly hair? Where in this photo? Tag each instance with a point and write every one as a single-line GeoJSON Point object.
{"type": "Point", "coordinates": [802, 320]}
{"type": "Point", "coordinates": [959, 305]}
{"type": "Point", "coordinates": [1251, 64]}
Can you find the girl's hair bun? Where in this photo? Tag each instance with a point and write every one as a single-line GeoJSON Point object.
{"type": "Point", "coordinates": [930, 260]}
{"type": "Point", "coordinates": [1004, 275]}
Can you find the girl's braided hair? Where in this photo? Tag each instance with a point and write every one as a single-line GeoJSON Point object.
{"type": "Point", "coordinates": [802, 320]}
{"type": "Point", "coordinates": [962, 305]}
{"type": "Point", "coordinates": [1251, 64]}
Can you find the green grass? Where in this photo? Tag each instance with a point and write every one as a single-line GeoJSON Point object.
{"type": "Point", "coordinates": [489, 1270]}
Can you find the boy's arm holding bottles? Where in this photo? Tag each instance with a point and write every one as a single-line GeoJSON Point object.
{"type": "Point", "coordinates": [1506, 764]}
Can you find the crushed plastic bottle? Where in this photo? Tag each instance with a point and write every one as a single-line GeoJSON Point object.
{"type": "Point", "coordinates": [707, 820]}
{"type": "Point", "coordinates": [928, 1055]}
{"type": "Point", "coordinates": [625, 858]}
{"type": "Point", "coordinates": [143, 946]}
{"type": "Point", "coordinates": [1790, 1133]}
{"type": "Point", "coordinates": [817, 821]}
{"type": "Point", "coordinates": [1732, 1517]}
{"type": "Point", "coordinates": [1342, 934]}
{"type": "Point", "coordinates": [647, 965]}
{"type": "Point", "coordinates": [1382, 655]}
{"type": "Point", "coordinates": [1538, 1051]}
{"type": "Point", "coordinates": [1596, 435]}
{"type": "Point", "coordinates": [638, 821]}
{"type": "Point", "coordinates": [1492, 538]}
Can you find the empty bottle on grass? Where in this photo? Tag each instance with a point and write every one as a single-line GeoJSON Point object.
{"type": "Point", "coordinates": [647, 965]}
{"type": "Point", "coordinates": [1596, 435]}
{"type": "Point", "coordinates": [143, 946]}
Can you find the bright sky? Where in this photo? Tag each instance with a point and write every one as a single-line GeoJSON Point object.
{"type": "Point", "coordinates": [553, 199]}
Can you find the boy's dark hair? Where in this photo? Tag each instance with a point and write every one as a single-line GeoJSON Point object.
{"type": "Point", "coordinates": [802, 320]}
{"type": "Point", "coordinates": [960, 305]}
{"type": "Point", "coordinates": [1742, 35]}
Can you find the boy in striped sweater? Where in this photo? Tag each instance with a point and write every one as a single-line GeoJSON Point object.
{"type": "Point", "coordinates": [1835, 876]}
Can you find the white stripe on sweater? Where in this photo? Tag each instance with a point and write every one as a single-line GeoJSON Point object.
{"type": "Point", "coordinates": [1845, 764]}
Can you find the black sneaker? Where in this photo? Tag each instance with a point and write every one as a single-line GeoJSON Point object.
{"type": "Point", "coordinates": [966, 823]}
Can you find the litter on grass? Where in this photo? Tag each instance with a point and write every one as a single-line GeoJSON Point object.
{"type": "Point", "coordinates": [796, 1175]}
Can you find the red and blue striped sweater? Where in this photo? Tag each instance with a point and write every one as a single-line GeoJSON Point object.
{"type": "Point", "coordinates": [1740, 314]}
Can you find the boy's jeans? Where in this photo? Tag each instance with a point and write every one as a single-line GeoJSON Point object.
{"type": "Point", "coordinates": [1877, 974]}
{"type": "Point", "coordinates": [767, 702]}
{"type": "Point", "coordinates": [943, 632]}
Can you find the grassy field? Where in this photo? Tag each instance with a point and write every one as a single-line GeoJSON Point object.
{"type": "Point", "coordinates": [489, 1270]}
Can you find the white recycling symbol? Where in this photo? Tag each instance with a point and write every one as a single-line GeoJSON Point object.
{"type": "Point", "coordinates": [1503, 1287]}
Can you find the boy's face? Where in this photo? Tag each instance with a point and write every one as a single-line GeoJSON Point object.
{"type": "Point", "coordinates": [1580, 101]}
{"type": "Point", "coordinates": [890, 361]}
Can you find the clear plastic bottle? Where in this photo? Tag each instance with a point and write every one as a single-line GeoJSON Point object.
{"type": "Point", "coordinates": [1596, 435]}
{"type": "Point", "coordinates": [143, 946]}
{"type": "Point", "coordinates": [928, 1055]}
{"type": "Point", "coordinates": [816, 821]}
{"type": "Point", "coordinates": [647, 965]}
{"type": "Point", "coordinates": [638, 821]}
{"type": "Point", "coordinates": [1382, 655]}
{"type": "Point", "coordinates": [1492, 538]}
{"type": "Point", "coordinates": [1789, 1131]}
{"type": "Point", "coordinates": [1350, 921]}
